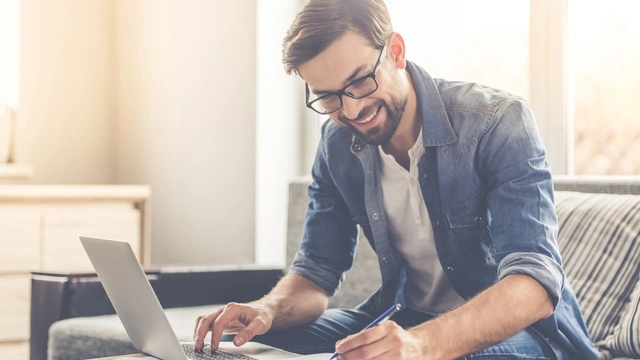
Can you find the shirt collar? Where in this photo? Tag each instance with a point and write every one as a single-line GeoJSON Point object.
{"type": "Point", "coordinates": [436, 127]}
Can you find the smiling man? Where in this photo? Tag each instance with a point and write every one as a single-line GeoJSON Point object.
{"type": "Point", "coordinates": [449, 183]}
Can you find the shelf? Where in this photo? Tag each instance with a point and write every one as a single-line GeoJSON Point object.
{"type": "Point", "coordinates": [74, 192]}
{"type": "Point", "coordinates": [15, 171]}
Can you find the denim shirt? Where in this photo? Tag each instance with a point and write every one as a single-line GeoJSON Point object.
{"type": "Point", "coordinates": [488, 189]}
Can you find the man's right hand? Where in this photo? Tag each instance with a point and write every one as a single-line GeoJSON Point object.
{"type": "Point", "coordinates": [246, 320]}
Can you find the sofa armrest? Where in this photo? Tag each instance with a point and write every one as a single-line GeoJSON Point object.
{"type": "Point", "coordinates": [58, 296]}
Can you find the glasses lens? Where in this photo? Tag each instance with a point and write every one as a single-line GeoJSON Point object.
{"type": "Point", "coordinates": [362, 88]}
{"type": "Point", "coordinates": [326, 104]}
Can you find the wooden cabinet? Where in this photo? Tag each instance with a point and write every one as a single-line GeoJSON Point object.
{"type": "Point", "coordinates": [19, 239]}
{"type": "Point", "coordinates": [14, 350]}
{"type": "Point", "coordinates": [39, 230]}
{"type": "Point", "coordinates": [14, 307]}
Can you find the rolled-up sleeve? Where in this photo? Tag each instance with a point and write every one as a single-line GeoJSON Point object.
{"type": "Point", "coordinates": [520, 198]}
{"type": "Point", "coordinates": [322, 275]}
{"type": "Point", "coordinates": [541, 268]}
{"type": "Point", "coordinates": [330, 233]}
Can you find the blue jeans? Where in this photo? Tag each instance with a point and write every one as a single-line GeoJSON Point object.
{"type": "Point", "coordinates": [335, 324]}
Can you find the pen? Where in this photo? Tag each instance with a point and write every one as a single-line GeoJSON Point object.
{"type": "Point", "coordinates": [384, 317]}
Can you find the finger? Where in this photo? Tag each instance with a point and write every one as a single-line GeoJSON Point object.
{"type": "Point", "coordinates": [381, 348]}
{"type": "Point", "coordinates": [369, 351]}
{"type": "Point", "coordinates": [203, 326]}
{"type": "Point", "coordinates": [195, 327]}
{"type": "Point", "coordinates": [234, 327]}
{"type": "Point", "coordinates": [389, 354]}
{"type": "Point", "coordinates": [230, 313]}
{"type": "Point", "coordinates": [256, 327]}
{"type": "Point", "coordinates": [360, 339]}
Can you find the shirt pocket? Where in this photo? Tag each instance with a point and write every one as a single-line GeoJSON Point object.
{"type": "Point", "coordinates": [470, 223]}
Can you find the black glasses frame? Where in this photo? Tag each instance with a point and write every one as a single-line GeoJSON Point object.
{"type": "Point", "coordinates": [340, 93]}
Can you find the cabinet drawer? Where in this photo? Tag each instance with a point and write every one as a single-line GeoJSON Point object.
{"type": "Point", "coordinates": [14, 351]}
{"type": "Point", "coordinates": [14, 307]}
{"type": "Point", "coordinates": [61, 247]}
{"type": "Point", "coordinates": [19, 239]}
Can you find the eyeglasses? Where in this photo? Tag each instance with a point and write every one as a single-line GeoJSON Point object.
{"type": "Point", "coordinates": [357, 89]}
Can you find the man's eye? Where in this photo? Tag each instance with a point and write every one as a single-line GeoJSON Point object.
{"type": "Point", "coordinates": [360, 82]}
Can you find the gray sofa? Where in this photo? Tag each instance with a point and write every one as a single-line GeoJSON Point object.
{"type": "Point", "coordinates": [599, 238]}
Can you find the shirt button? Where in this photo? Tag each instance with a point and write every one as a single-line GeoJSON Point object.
{"type": "Point", "coordinates": [357, 147]}
{"type": "Point", "coordinates": [437, 222]}
{"type": "Point", "coordinates": [477, 220]}
{"type": "Point", "coordinates": [450, 269]}
{"type": "Point", "coordinates": [375, 216]}
{"type": "Point", "coordinates": [424, 176]}
{"type": "Point", "coordinates": [384, 260]}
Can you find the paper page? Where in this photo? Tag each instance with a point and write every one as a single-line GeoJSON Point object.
{"type": "Point", "coordinates": [304, 357]}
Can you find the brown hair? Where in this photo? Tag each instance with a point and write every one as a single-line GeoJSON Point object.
{"type": "Point", "coordinates": [321, 22]}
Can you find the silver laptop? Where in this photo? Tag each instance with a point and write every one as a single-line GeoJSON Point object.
{"type": "Point", "coordinates": [141, 314]}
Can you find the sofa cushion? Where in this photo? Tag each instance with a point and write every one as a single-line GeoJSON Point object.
{"type": "Point", "coordinates": [626, 337]}
{"type": "Point", "coordinates": [599, 238]}
{"type": "Point", "coordinates": [101, 336]}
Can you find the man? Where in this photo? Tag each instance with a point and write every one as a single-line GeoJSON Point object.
{"type": "Point", "coordinates": [449, 183]}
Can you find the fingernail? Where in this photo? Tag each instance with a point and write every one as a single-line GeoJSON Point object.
{"type": "Point", "coordinates": [239, 340]}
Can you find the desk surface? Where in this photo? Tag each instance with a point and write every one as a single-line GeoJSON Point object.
{"type": "Point", "coordinates": [121, 356]}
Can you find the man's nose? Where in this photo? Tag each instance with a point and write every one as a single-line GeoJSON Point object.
{"type": "Point", "coordinates": [351, 108]}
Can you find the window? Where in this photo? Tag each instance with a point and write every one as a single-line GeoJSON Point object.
{"type": "Point", "coordinates": [492, 49]}
{"type": "Point", "coordinates": [575, 61]}
{"type": "Point", "coordinates": [468, 40]}
{"type": "Point", "coordinates": [9, 38]}
{"type": "Point", "coordinates": [604, 43]}
{"type": "Point", "coordinates": [9, 20]}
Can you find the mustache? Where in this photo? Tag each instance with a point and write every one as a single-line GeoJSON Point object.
{"type": "Point", "coordinates": [363, 114]}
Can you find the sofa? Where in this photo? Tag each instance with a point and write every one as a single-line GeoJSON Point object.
{"type": "Point", "coordinates": [599, 238]}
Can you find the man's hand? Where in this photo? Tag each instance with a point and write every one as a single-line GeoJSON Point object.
{"type": "Point", "coordinates": [385, 341]}
{"type": "Point", "coordinates": [247, 320]}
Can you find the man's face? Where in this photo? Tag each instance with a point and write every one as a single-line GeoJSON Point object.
{"type": "Point", "coordinates": [374, 118]}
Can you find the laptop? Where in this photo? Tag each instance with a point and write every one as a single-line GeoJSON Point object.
{"type": "Point", "coordinates": [141, 314]}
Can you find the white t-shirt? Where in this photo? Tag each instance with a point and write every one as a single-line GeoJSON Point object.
{"type": "Point", "coordinates": [427, 290]}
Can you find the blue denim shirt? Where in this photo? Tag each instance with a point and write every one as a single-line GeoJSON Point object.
{"type": "Point", "coordinates": [489, 193]}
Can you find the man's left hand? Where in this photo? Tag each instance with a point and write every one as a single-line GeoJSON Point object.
{"type": "Point", "coordinates": [385, 341]}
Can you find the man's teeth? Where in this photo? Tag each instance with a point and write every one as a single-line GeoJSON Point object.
{"type": "Point", "coordinates": [368, 118]}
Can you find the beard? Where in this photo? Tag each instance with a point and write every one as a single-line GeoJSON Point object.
{"type": "Point", "coordinates": [381, 133]}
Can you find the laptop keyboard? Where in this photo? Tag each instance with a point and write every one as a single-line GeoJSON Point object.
{"type": "Point", "coordinates": [206, 354]}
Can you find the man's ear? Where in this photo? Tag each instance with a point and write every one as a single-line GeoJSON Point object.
{"type": "Point", "coordinates": [397, 50]}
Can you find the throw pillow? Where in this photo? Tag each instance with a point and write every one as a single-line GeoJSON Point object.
{"type": "Point", "coordinates": [599, 239]}
{"type": "Point", "coordinates": [626, 338]}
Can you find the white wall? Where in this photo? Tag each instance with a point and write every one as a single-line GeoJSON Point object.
{"type": "Point", "coordinates": [185, 107]}
{"type": "Point", "coordinates": [148, 92]}
{"type": "Point", "coordinates": [279, 130]}
{"type": "Point", "coordinates": [65, 96]}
